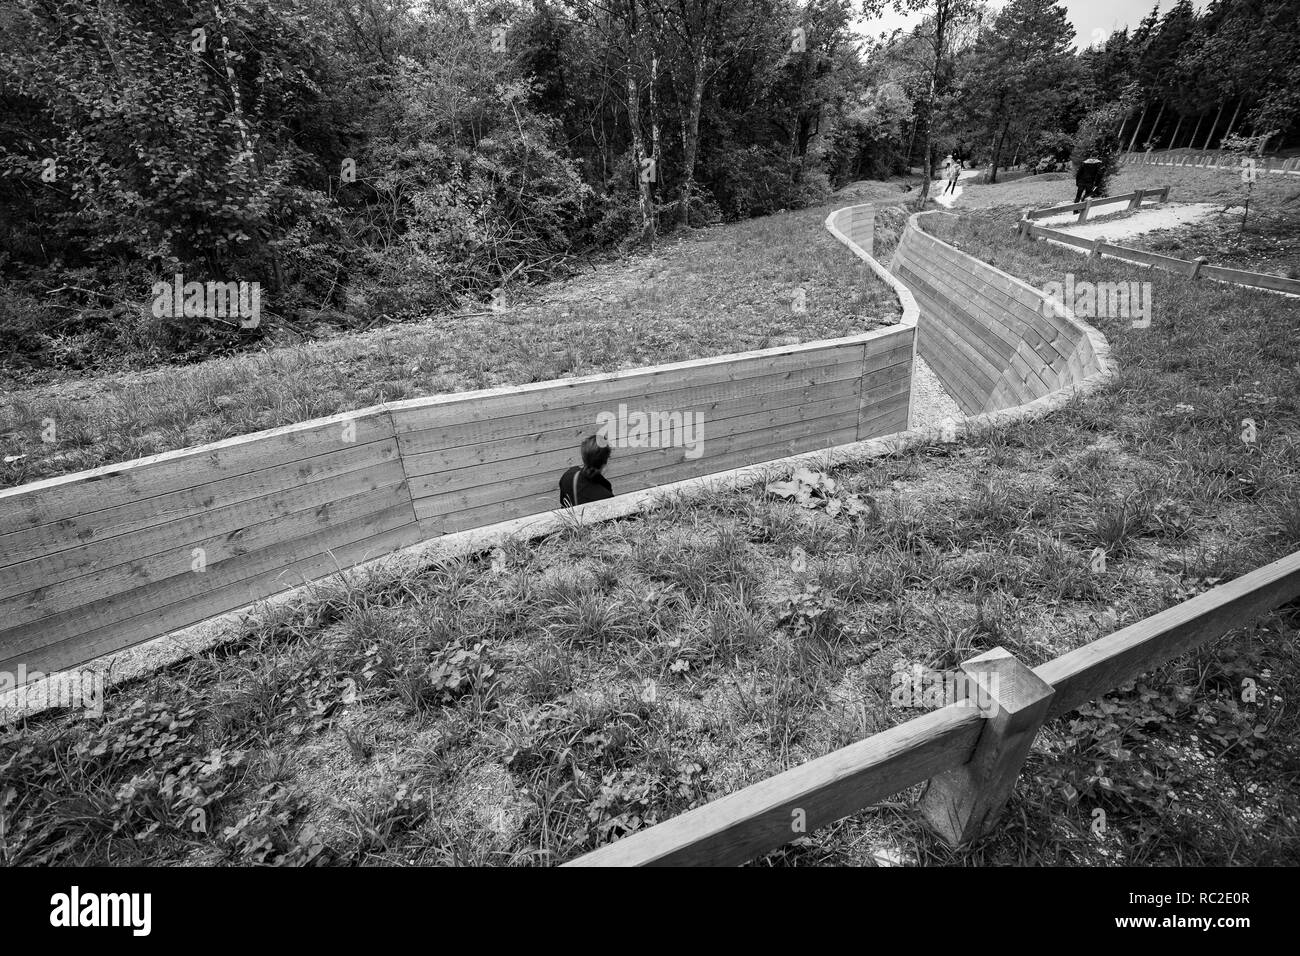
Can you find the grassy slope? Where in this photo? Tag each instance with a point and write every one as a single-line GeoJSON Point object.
{"type": "Point", "coordinates": [497, 710]}
{"type": "Point", "coordinates": [722, 290]}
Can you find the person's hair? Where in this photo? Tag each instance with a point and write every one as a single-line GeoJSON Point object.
{"type": "Point", "coordinates": [594, 456]}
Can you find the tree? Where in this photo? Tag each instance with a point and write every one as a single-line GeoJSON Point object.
{"type": "Point", "coordinates": [937, 34]}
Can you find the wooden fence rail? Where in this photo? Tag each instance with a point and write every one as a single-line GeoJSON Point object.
{"type": "Point", "coordinates": [1211, 159]}
{"type": "Point", "coordinates": [1133, 199]}
{"type": "Point", "coordinates": [1191, 268]}
{"type": "Point", "coordinates": [970, 753]}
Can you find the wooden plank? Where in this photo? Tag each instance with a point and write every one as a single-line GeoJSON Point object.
{"type": "Point", "coordinates": [736, 828]}
{"type": "Point", "coordinates": [1002, 289]}
{"type": "Point", "coordinates": [502, 453]}
{"type": "Point", "coordinates": [1259, 280]}
{"type": "Point", "coordinates": [103, 524]}
{"type": "Point", "coordinates": [764, 423]}
{"type": "Point", "coordinates": [185, 584]}
{"type": "Point", "coordinates": [1099, 667]}
{"type": "Point", "coordinates": [430, 441]}
{"type": "Point", "coordinates": [64, 496]}
{"type": "Point", "coordinates": [883, 418]}
{"type": "Point", "coordinates": [957, 351]}
{"type": "Point", "coordinates": [744, 449]}
{"type": "Point", "coordinates": [958, 379]}
{"type": "Point", "coordinates": [53, 596]}
{"type": "Point", "coordinates": [277, 495]}
{"type": "Point", "coordinates": [886, 381]}
{"type": "Point", "coordinates": [968, 294]}
{"type": "Point", "coordinates": [964, 803]}
{"type": "Point", "coordinates": [955, 322]}
{"type": "Point", "coordinates": [716, 401]}
{"type": "Point", "coordinates": [1167, 263]}
{"type": "Point", "coordinates": [86, 647]}
{"type": "Point", "coordinates": [421, 413]}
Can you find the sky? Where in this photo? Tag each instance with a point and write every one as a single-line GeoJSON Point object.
{"type": "Point", "coordinates": [1093, 19]}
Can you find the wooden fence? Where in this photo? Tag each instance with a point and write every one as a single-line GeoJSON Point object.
{"type": "Point", "coordinates": [971, 755]}
{"type": "Point", "coordinates": [1191, 268]}
{"type": "Point", "coordinates": [1211, 159]}
{"type": "Point", "coordinates": [1131, 200]}
{"type": "Point", "coordinates": [95, 562]}
{"type": "Point", "coordinates": [993, 340]}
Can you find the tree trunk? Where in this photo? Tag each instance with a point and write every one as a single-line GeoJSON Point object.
{"type": "Point", "coordinates": [1138, 129]}
{"type": "Point", "coordinates": [1155, 127]}
{"type": "Point", "coordinates": [1233, 122]}
{"type": "Point", "coordinates": [1123, 124]}
{"type": "Point", "coordinates": [1200, 118]}
{"type": "Point", "coordinates": [940, 28]}
{"type": "Point", "coordinates": [640, 169]}
{"type": "Point", "coordinates": [1021, 146]}
{"type": "Point", "coordinates": [1210, 134]}
{"type": "Point", "coordinates": [692, 138]}
{"type": "Point", "coordinates": [997, 152]}
{"type": "Point", "coordinates": [654, 129]}
{"type": "Point", "coordinates": [1173, 140]}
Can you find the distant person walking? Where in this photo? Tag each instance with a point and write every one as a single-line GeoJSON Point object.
{"type": "Point", "coordinates": [954, 174]}
{"type": "Point", "coordinates": [585, 483]}
{"type": "Point", "coordinates": [1087, 179]}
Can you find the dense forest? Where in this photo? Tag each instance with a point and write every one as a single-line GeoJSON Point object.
{"type": "Point", "coordinates": [366, 161]}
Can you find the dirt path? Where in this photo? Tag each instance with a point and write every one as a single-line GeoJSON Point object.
{"type": "Point", "coordinates": [1163, 216]}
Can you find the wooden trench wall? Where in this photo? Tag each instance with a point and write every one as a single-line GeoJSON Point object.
{"type": "Point", "coordinates": [94, 562]}
{"type": "Point", "coordinates": [993, 340]}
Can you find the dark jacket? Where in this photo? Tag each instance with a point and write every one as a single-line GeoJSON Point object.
{"type": "Point", "coordinates": [1088, 180]}
{"type": "Point", "coordinates": [595, 488]}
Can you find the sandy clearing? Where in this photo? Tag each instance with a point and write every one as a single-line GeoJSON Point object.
{"type": "Point", "coordinates": [1147, 219]}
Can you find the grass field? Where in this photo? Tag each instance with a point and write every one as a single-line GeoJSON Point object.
{"type": "Point", "coordinates": [721, 290]}
{"type": "Point", "coordinates": [527, 705]}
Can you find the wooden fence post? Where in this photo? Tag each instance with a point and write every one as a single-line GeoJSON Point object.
{"type": "Point", "coordinates": [1196, 267]}
{"type": "Point", "coordinates": [1136, 201]}
{"type": "Point", "coordinates": [963, 804]}
{"type": "Point", "coordinates": [1096, 247]}
{"type": "Point", "coordinates": [1087, 208]}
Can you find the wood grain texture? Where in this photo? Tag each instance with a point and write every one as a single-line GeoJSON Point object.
{"type": "Point", "coordinates": [993, 340]}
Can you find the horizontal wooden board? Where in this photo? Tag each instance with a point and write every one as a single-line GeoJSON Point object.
{"type": "Point", "coordinates": [102, 524]}
{"type": "Point", "coordinates": [184, 584]}
{"type": "Point", "coordinates": [284, 498]}
{"type": "Point", "coordinates": [844, 408]}
{"type": "Point", "coordinates": [444, 410]}
{"type": "Point", "coordinates": [1261, 280]}
{"type": "Point", "coordinates": [714, 401]}
{"type": "Point", "coordinates": [733, 451]}
{"type": "Point", "coordinates": [558, 458]}
{"type": "Point", "coordinates": [969, 295]}
{"type": "Point", "coordinates": [167, 605]}
{"type": "Point", "coordinates": [86, 647]}
{"type": "Point", "coordinates": [752, 821]}
{"type": "Point", "coordinates": [126, 483]}
{"type": "Point", "coordinates": [54, 596]}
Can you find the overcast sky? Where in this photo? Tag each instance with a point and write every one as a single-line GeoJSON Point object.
{"type": "Point", "coordinates": [1093, 19]}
